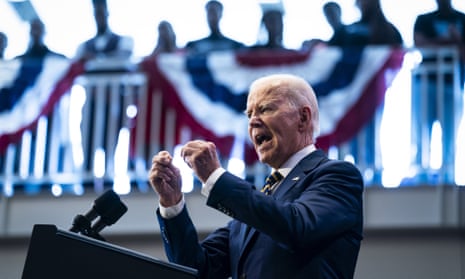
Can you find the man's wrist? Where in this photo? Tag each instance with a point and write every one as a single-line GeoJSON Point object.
{"type": "Point", "coordinates": [172, 211]}
{"type": "Point", "coordinates": [171, 201]}
{"type": "Point", "coordinates": [214, 176]}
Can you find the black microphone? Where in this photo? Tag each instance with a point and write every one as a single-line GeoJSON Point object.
{"type": "Point", "coordinates": [108, 206]}
{"type": "Point", "coordinates": [100, 205]}
{"type": "Point", "coordinates": [110, 216]}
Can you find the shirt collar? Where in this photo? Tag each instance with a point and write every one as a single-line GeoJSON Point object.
{"type": "Point", "coordinates": [286, 168]}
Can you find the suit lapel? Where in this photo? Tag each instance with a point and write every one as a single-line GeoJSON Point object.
{"type": "Point", "coordinates": [306, 165]}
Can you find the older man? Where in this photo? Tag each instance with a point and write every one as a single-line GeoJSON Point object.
{"type": "Point", "coordinates": [306, 223]}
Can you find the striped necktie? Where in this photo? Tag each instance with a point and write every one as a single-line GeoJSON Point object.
{"type": "Point", "coordinates": [271, 182]}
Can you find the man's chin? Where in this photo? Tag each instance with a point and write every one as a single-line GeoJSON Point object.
{"type": "Point", "coordinates": [263, 158]}
{"type": "Point", "coordinates": [264, 152]}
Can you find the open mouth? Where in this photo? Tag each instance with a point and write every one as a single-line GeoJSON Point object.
{"type": "Point", "coordinates": [261, 138]}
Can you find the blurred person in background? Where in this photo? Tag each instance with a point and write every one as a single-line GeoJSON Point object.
{"type": "Point", "coordinates": [444, 26]}
{"type": "Point", "coordinates": [272, 20]}
{"type": "Point", "coordinates": [216, 41]}
{"type": "Point", "coordinates": [373, 28]}
{"type": "Point", "coordinates": [37, 48]}
{"type": "Point", "coordinates": [333, 15]}
{"type": "Point", "coordinates": [105, 43]}
{"type": "Point", "coordinates": [166, 42]}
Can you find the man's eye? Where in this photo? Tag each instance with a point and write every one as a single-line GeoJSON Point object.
{"type": "Point", "coordinates": [265, 109]}
{"type": "Point", "coordinates": [260, 110]}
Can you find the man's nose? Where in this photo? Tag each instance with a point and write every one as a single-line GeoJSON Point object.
{"type": "Point", "coordinates": [255, 121]}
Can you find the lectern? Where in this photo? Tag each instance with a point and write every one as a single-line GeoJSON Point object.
{"type": "Point", "coordinates": [54, 253]}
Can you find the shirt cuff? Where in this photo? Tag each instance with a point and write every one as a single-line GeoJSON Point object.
{"type": "Point", "coordinates": [172, 211]}
{"type": "Point", "coordinates": [208, 186]}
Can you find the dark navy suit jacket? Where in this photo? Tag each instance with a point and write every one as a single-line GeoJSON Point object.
{"type": "Point", "coordinates": [311, 227]}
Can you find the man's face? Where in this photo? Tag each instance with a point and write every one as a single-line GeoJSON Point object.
{"type": "Point", "coordinates": [333, 15]}
{"type": "Point", "coordinates": [166, 31]}
{"type": "Point", "coordinates": [214, 13]}
{"type": "Point", "coordinates": [37, 30]}
{"type": "Point", "coordinates": [273, 126]}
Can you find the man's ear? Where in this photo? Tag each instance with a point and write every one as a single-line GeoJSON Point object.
{"type": "Point", "coordinates": [305, 117]}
